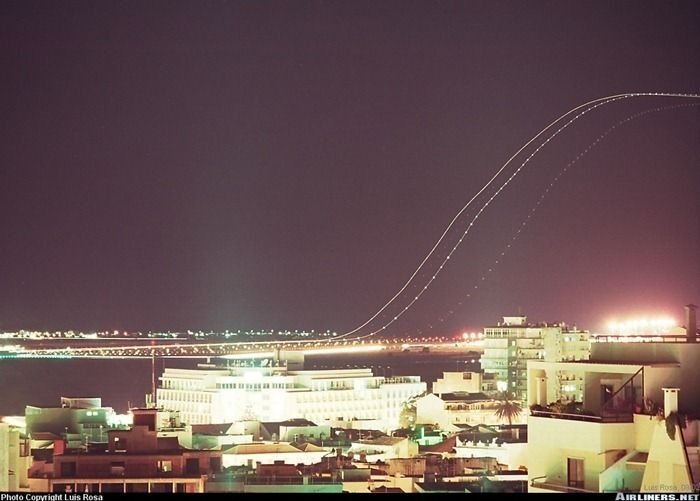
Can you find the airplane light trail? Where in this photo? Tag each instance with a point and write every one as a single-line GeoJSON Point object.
{"type": "Point", "coordinates": [577, 112]}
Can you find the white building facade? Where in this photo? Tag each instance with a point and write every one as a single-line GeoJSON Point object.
{"type": "Point", "coordinates": [453, 382]}
{"type": "Point", "coordinates": [452, 410]}
{"type": "Point", "coordinates": [222, 395]}
{"type": "Point", "coordinates": [509, 345]}
{"type": "Point", "coordinates": [617, 437]}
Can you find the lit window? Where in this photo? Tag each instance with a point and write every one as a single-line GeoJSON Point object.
{"type": "Point", "coordinates": [165, 466]}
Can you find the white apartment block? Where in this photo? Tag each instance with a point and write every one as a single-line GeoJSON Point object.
{"type": "Point", "coordinates": [509, 345]}
{"type": "Point", "coordinates": [222, 395]}
{"type": "Point", "coordinates": [615, 437]}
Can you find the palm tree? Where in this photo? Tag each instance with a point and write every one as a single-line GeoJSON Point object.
{"type": "Point", "coordinates": [508, 408]}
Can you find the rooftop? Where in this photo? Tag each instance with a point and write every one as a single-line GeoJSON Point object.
{"type": "Point", "coordinates": [464, 397]}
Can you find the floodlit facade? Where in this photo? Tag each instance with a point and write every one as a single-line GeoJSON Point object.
{"type": "Point", "coordinates": [509, 345]}
{"type": "Point", "coordinates": [513, 454]}
{"type": "Point", "coordinates": [619, 435]}
{"type": "Point", "coordinates": [453, 382]}
{"type": "Point", "coordinates": [450, 411]}
{"type": "Point", "coordinates": [223, 395]}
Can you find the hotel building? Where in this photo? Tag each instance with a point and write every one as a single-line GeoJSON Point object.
{"type": "Point", "coordinates": [211, 394]}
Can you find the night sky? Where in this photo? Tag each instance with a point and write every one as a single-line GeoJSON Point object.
{"type": "Point", "coordinates": [287, 165]}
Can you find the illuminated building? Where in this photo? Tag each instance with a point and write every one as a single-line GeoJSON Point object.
{"type": "Point", "coordinates": [618, 437]}
{"type": "Point", "coordinates": [223, 395]}
{"type": "Point", "coordinates": [509, 345]}
{"type": "Point", "coordinates": [14, 459]}
{"type": "Point", "coordinates": [512, 453]}
{"type": "Point", "coordinates": [608, 452]}
{"type": "Point", "coordinates": [452, 382]}
{"type": "Point", "coordinates": [452, 410]}
{"type": "Point", "coordinates": [135, 460]}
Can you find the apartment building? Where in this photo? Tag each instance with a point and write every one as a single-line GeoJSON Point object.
{"type": "Point", "coordinates": [634, 428]}
{"type": "Point", "coordinates": [510, 344]}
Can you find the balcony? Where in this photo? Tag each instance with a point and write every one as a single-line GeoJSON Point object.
{"type": "Point", "coordinates": [574, 411]}
{"type": "Point", "coordinates": [608, 406]}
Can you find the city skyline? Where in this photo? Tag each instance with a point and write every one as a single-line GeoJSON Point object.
{"type": "Point", "coordinates": [174, 166]}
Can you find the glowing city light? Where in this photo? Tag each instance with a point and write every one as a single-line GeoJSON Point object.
{"type": "Point", "coordinates": [642, 325]}
{"type": "Point", "coordinates": [353, 349]}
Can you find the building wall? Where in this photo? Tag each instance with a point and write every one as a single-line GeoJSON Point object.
{"type": "Point", "coordinates": [131, 465]}
{"type": "Point", "coordinates": [406, 466]}
{"type": "Point", "coordinates": [666, 469]}
{"type": "Point", "coordinates": [120, 485]}
{"type": "Point", "coordinates": [622, 476]}
{"type": "Point", "coordinates": [514, 455]}
{"type": "Point", "coordinates": [685, 354]}
{"type": "Point", "coordinates": [451, 382]}
{"type": "Point", "coordinates": [92, 422]}
{"type": "Point", "coordinates": [588, 377]}
{"type": "Point", "coordinates": [292, 458]}
{"type": "Point", "coordinates": [509, 346]}
{"type": "Point", "coordinates": [551, 441]}
{"type": "Point", "coordinates": [430, 409]}
{"type": "Point", "coordinates": [205, 397]}
{"type": "Point", "coordinates": [644, 427]}
{"type": "Point", "coordinates": [291, 433]}
{"type": "Point", "coordinates": [327, 488]}
{"type": "Point", "coordinates": [5, 459]}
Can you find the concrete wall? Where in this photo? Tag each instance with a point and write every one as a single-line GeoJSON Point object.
{"type": "Point", "coordinates": [293, 489]}
{"type": "Point", "coordinates": [621, 476]}
{"type": "Point", "coordinates": [5, 458]}
{"type": "Point", "coordinates": [430, 409]}
{"type": "Point", "coordinates": [644, 427]}
{"type": "Point", "coordinates": [289, 433]}
{"type": "Point", "coordinates": [268, 458]}
{"type": "Point", "coordinates": [451, 382]}
{"type": "Point", "coordinates": [551, 441]}
{"type": "Point", "coordinates": [512, 454]}
{"type": "Point", "coordinates": [58, 420]}
{"type": "Point", "coordinates": [687, 354]}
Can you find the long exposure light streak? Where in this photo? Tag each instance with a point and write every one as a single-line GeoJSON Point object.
{"type": "Point", "coordinates": [577, 112]}
{"type": "Point", "coordinates": [544, 194]}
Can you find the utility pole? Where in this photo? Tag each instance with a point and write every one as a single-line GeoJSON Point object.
{"type": "Point", "coordinates": [153, 376]}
